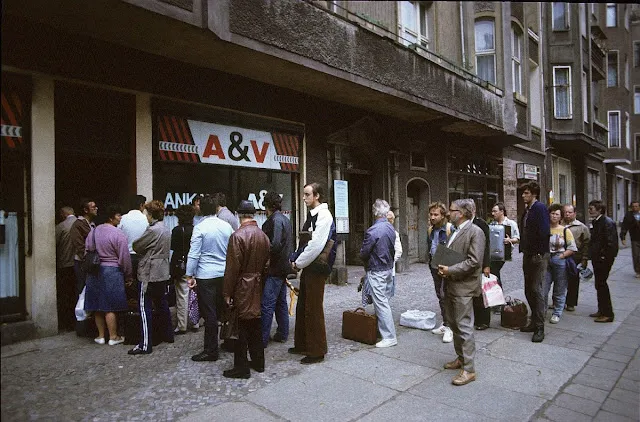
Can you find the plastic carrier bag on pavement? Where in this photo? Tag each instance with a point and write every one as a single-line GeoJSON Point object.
{"type": "Point", "coordinates": [491, 291]}
{"type": "Point", "coordinates": [423, 320]}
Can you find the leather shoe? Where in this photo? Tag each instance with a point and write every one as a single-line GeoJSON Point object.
{"type": "Point", "coordinates": [179, 333]}
{"type": "Point", "coordinates": [454, 364]}
{"type": "Point", "coordinates": [308, 360]}
{"type": "Point", "coordinates": [294, 351]}
{"type": "Point", "coordinates": [138, 351]}
{"type": "Point", "coordinates": [528, 328]}
{"type": "Point", "coordinates": [278, 338]}
{"type": "Point", "coordinates": [256, 367]}
{"type": "Point", "coordinates": [463, 378]}
{"type": "Point", "coordinates": [236, 373]}
{"type": "Point", "coordinates": [603, 319]}
{"type": "Point", "coordinates": [481, 327]}
{"type": "Point", "coordinates": [570, 308]}
{"type": "Point", "coordinates": [205, 357]}
{"type": "Point", "coordinates": [538, 336]}
{"type": "Point", "coordinates": [595, 315]}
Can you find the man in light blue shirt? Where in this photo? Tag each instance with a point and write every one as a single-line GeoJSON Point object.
{"type": "Point", "coordinates": [206, 263]}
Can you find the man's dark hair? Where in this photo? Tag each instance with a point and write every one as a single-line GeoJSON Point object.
{"type": "Point", "coordinates": [555, 207]}
{"type": "Point", "coordinates": [185, 214]}
{"type": "Point", "coordinates": [137, 201]}
{"type": "Point", "coordinates": [598, 205]}
{"type": "Point", "coordinates": [532, 187]}
{"type": "Point", "coordinates": [112, 210]}
{"type": "Point", "coordinates": [84, 206]}
{"type": "Point", "coordinates": [317, 189]}
{"type": "Point", "coordinates": [220, 198]}
{"type": "Point", "coordinates": [501, 207]}
{"type": "Point", "coordinates": [208, 205]}
{"type": "Point", "coordinates": [273, 201]}
{"type": "Point", "coordinates": [634, 202]}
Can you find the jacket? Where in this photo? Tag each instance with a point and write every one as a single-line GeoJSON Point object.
{"type": "Point", "coordinates": [78, 234]}
{"type": "Point", "coordinates": [208, 248]}
{"type": "Point", "coordinates": [64, 246]}
{"type": "Point", "coordinates": [535, 231]}
{"type": "Point", "coordinates": [153, 248]}
{"type": "Point", "coordinates": [630, 225]}
{"type": "Point", "coordinates": [582, 236]}
{"type": "Point", "coordinates": [465, 277]}
{"type": "Point", "coordinates": [322, 227]}
{"type": "Point", "coordinates": [180, 243]}
{"type": "Point", "coordinates": [378, 247]}
{"type": "Point", "coordinates": [278, 230]}
{"type": "Point", "coordinates": [247, 266]}
{"type": "Point", "coordinates": [604, 241]}
{"type": "Point", "coordinates": [486, 258]}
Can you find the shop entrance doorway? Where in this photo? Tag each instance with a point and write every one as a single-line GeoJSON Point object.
{"type": "Point", "coordinates": [417, 210]}
{"type": "Point", "coordinates": [360, 217]}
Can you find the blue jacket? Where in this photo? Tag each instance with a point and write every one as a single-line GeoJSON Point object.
{"type": "Point", "coordinates": [535, 231]}
{"type": "Point", "coordinates": [378, 246]}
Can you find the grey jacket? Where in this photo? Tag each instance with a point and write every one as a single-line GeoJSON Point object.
{"type": "Point", "coordinates": [465, 277]}
{"type": "Point", "coordinates": [153, 248]}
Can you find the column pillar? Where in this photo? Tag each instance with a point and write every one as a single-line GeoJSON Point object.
{"type": "Point", "coordinates": [339, 275]}
{"type": "Point", "coordinates": [144, 146]}
{"type": "Point", "coordinates": [41, 294]}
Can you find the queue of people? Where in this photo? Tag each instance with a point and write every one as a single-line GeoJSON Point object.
{"type": "Point", "coordinates": [240, 271]}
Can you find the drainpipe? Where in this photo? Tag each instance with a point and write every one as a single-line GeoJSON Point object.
{"type": "Point", "coordinates": [464, 57]}
{"type": "Point", "coordinates": [543, 132]}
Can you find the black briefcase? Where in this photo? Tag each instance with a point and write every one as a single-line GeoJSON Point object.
{"type": "Point", "coordinates": [133, 328]}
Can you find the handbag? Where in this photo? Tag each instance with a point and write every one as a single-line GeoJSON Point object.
{"type": "Point", "coordinates": [91, 263]}
{"type": "Point", "coordinates": [360, 326]}
{"type": "Point", "coordinates": [179, 267]}
{"type": "Point", "coordinates": [571, 266]}
{"type": "Point", "coordinates": [491, 291]}
{"type": "Point", "coordinates": [514, 313]}
{"type": "Point", "coordinates": [423, 320]}
{"type": "Point", "coordinates": [229, 325]}
{"type": "Point", "coordinates": [193, 308]}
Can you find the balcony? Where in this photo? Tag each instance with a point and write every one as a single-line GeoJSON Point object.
{"type": "Point", "coordinates": [597, 61]}
{"type": "Point", "coordinates": [601, 134]}
{"type": "Point", "coordinates": [581, 142]}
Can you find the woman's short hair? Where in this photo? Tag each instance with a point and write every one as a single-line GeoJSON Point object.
{"type": "Point", "coordinates": [467, 207]}
{"type": "Point", "coordinates": [555, 207]}
{"type": "Point", "coordinates": [317, 189]}
{"type": "Point", "coordinates": [273, 201]}
{"type": "Point", "coordinates": [208, 205]}
{"type": "Point", "coordinates": [155, 209]}
{"type": "Point", "coordinates": [380, 208]}
{"type": "Point", "coordinates": [185, 214]}
{"type": "Point", "coordinates": [113, 210]}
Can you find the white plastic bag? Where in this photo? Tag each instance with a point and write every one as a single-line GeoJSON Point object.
{"type": "Point", "coordinates": [81, 314]}
{"type": "Point", "coordinates": [491, 292]}
{"type": "Point", "coordinates": [424, 320]}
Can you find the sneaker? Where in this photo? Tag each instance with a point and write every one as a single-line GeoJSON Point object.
{"type": "Point", "coordinates": [118, 340]}
{"type": "Point", "coordinates": [440, 330]}
{"type": "Point", "coordinates": [554, 319]}
{"type": "Point", "coordinates": [387, 342]}
{"type": "Point", "coordinates": [99, 340]}
{"type": "Point", "coordinates": [448, 335]}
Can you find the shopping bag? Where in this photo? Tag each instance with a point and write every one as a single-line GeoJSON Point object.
{"type": "Point", "coordinates": [193, 308]}
{"type": "Point", "coordinates": [514, 314]}
{"type": "Point", "coordinates": [423, 320]}
{"type": "Point", "coordinates": [81, 314]}
{"type": "Point", "coordinates": [491, 291]}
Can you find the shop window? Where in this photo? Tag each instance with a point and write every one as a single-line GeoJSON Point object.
{"type": "Point", "coordinates": [414, 23]}
{"type": "Point", "coordinates": [614, 129]}
{"type": "Point", "coordinates": [485, 50]}
{"type": "Point", "coordinates": [516, 58]}
{"type": "Point", "coordinates": [612, 68]}
{"type": "Point", "coordinates": [612, 15]}
{"type": "Point", "coordinates": [560, 16]}
{"type": "Point", "coordinates": [562, 92]}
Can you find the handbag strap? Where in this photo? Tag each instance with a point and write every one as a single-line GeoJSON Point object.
{"type": "Point", "coordinates": [183, 248]}
{"type": "Point", "coordinates": [93, 234]}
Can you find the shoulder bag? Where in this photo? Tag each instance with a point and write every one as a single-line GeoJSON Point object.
{"type": "Point", "coordinates": [91, 263]}
{"type": "Point", "coordinates": [179, 268]}
{"type": "Point", "coordinates": [571, 267]}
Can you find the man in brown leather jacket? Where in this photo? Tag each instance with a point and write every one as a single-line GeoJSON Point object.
{"type": "Point", "coordinates": [247, 266]}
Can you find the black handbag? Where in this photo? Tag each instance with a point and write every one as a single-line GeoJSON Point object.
{"type": "Point", "coordinates": [179, 267]}
{"type": "Point", "coordinates": [91, 263]}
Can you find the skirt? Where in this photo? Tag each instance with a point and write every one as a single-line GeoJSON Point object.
{"type": "Point", "coordinates": [105, 291]}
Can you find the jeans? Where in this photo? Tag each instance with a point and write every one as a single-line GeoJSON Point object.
{"type": "Point", "coordinates": [381, 285]}
{"type": "Point", "coordinates": [156, 294]}
{"type": "Point", "coordinates": [556, 274]}
{"type": "Point", "coordinates": [274, 298]}
{"type": "Point", "coordinates": [535, 268]}
{"type": "Point", "coordinates": [439, 285]}
{"type": "Point", "coordinates": [209, 301]}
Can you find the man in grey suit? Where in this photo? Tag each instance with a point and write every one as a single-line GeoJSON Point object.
{"type": "Point", "coordinates": [463, 283]}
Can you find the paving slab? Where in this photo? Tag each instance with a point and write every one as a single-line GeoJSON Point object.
{"type": "Point", "coordinates": [604, 416]}
{"type": "Point", "coordinates": [626, 341]}
{"type": "Point", "coordinates": [561, 414]}
{"type": "Point", "coordinates": [621, 408]}
{"type": "Point", "coordinates": [231, 411]}
{"type": "Point", "coordinates": [382, 370]}
{"type": "Point", "coordinates": [628, 384]}
{"type": "Point", "coordinates": [321, 394]}
{"type": "Point", "coordinates": [414, 347]}
{"type": "Point", "coordinates": [614, 356]}
{"type": "Point", "coordinates": [586, 392]}
{"type": "Point", "coordinates": [539, 354]}
{"type": "Point", "coordinates": [410, 408]}
{"type": "Point", "coordinates": [603, 373]}
{"type": "Point", "coordinates": [577, 404]}
{"type": "Point", "coordinates": [605, 363]}
{"type": "Point", "coordinates": [625, 396]}
{"type": "Point", "coordinates": [479, 397]}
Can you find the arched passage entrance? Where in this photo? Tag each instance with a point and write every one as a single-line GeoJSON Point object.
{"type": "Point", "coordinates": [417, 211]}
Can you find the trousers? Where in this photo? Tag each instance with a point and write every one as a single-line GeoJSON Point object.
{"type": "Point", "coordinates": [249, 339]}
{"type": "Point", "coordinates": [310, 333]}
{"type": "Point", "coordinates": [461, 318]}
{"type": "Point", "coordinates": [155, 296]}
{"type": "Point", "coordinates": [535, 269]}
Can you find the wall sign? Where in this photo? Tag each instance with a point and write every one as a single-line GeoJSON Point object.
{"type": "Point", "coordinates": [341, 201]}
{"type": "Point", "coordinates": [526, 171]}
{"type": "Point", "coordinates": [202, 142]}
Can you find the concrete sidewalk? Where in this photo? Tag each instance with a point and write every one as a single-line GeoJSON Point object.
{"type": "Point", "coordinates": [581, 371]}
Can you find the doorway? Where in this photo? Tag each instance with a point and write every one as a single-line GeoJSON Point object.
{"type": "Point", "coordinates": [417, 210]}
{"type": "Point", "coordinates": [359, 214]}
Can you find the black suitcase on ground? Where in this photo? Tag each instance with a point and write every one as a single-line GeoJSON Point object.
{"type": "Point", "coordinates": [133, 328]}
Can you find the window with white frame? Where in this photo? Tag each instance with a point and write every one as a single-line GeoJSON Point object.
{"type": "Point", "coordinates": [627, 130]}
{"type": "Point", "coordinates": [516, 58]}
{"type": "Point", "coordinates": [614, 129]}
{"type": "Point", "coordinates": [593, 185]}
{"type": "Point", "coordinates": [627, 8]}
{"type": "Point", "coordinates": [637, 147]}
{"type": "Point", "coordinates": [612, 68]}
{"type": "Point", "coordinates": [583, 19]}
{"type": "Point", "coordinates": [562, 92]}
{"type": "Point", "coordinates": [636, 54]}
{"type": "Point", "coordinates": [414, 25]}
{"type": "Point", "coordinates": [485, 49]}
{"type": "Point", "coordinates": [560, 16]}
{"type": "Point", "coordinates": [636, 99]}
{"type": "Point", "coordinates": [612, 15]}
{"type": "Point", "coordinates": [585, 98]}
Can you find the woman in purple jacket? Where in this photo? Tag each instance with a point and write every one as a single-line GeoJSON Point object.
{"type": "Point", "coordinates": [105, 293]}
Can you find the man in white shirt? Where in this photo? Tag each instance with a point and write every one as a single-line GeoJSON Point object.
{"type": "Point", "coordinates": [133, 224]}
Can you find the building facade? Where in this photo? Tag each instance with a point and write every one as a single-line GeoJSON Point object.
{"type": "Point", "coordinates": [413, 102]}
